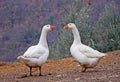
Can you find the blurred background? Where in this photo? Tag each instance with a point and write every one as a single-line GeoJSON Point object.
{"type": "Point", "coordinates": [21, 21]}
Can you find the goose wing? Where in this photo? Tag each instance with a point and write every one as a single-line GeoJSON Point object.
{"type": "Point", "coordinates": [35, 52]}
{"type": "Point", "coordinates": [90, 52]}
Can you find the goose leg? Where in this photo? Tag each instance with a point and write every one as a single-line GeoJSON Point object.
{"type": "Point", "coordinates": [83, 69]}
{"type": "Point", "coordinates": [40, 71]}
{"type": "Point", "coordinates": [30, 71]}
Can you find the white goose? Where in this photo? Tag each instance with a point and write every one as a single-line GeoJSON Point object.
{"type": "Point", "coordinates": [86, 56]}
{"type": "Point", "coordinates": [37, 55]}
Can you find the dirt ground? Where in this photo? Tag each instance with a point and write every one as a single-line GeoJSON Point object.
{"type": "Point", "coordinates": [64, 70]}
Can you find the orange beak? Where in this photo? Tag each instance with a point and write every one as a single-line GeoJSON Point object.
{"type": "Point", "coordinates": [66, 26]}
{"type": "Point", "coordinates": [52, 27]}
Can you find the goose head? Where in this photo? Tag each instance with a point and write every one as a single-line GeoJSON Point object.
{"type": "Point", "coordinates": [48, 27]}
{"type": "Point", "coordinates": [69, 26]}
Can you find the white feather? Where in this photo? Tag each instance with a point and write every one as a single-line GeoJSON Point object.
{"type": "Point", "coordinates": [37, 55]}
{"type": "Point", "coordinates": [84, 54]}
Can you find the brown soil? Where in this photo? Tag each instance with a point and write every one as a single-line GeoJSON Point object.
{"type": "Point", "coordinates": [64, 70]}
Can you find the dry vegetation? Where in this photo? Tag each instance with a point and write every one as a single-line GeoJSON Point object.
{"type": "Point", "coordinates": [65, 70]}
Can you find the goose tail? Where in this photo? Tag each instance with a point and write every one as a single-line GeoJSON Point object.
{"type": "Point", "coordinates": [103, 55]}
{"type": "Point", "coordinates": [22, 58]}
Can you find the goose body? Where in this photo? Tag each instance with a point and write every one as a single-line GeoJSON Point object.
{"type": "Point", "coordinates": [85, 55]}
{"type": "Point", "coordinates": [36, 56]}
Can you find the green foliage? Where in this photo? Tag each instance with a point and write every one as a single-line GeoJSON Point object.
{"type": "Point", "coordinates": [60, 48]}
{"type": "Point", "coordinates": [30, 34]}
{"type": "Point", "coordinates": [11, 46]}
{"type": "Point", "coordinates": [51, 19]}
{"type": "Point", "coordinates": [103, 34]}
{"type": "Point", "coordinates": [108, 29]}
{"type": "Point", "coordinates": [66, 38]}
{"type": "Point", "coordinates": [6, 37]}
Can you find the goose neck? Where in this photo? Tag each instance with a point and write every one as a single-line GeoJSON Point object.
{"type": "Point", "coordinates": [43, 40]}
{"type": "Point", "coordinates": [76, 35]}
